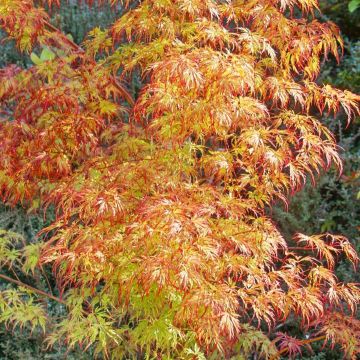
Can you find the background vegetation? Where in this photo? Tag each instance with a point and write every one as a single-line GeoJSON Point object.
{"type": "Point", "coordinates": [332, 205]}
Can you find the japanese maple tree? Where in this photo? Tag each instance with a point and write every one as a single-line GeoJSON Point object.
{"type": "Point", "coordinates": [161, 247]}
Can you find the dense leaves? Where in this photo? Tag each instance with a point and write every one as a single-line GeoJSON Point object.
{"type": "Point", "coordinates": [161, 245]}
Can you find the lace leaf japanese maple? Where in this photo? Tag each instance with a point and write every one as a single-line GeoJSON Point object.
{"type": "Point", "coordinates": [161, 246]}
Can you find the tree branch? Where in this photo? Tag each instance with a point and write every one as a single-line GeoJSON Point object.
{"type": "Point", "coordinates": [36, 291]}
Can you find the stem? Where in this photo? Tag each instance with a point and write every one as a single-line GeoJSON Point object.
{"type": "Point", "coordinates": [37, 291]}
{"type": "Point", "coordinates": [72, 44]}
{"type": "Point", "coordinates": [47, 279]}
{"type": "Point", "coordinates": [78, 48]}
{"type": "Point", "coordinates": [309, 341]}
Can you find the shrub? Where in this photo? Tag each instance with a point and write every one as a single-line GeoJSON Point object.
{"type": "Point", "coordinates": [161, 246]}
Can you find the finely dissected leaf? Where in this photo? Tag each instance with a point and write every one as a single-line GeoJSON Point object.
{"type": "Point", "coordinates": [161, 246]}
{"type": "Point", "coordinates": [31, 254]}
{"type": "Point", "coordinates": [17, 308]}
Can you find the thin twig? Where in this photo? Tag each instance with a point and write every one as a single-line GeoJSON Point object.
{"type": "Point", "coordinates": [300, 248]}
{"type": "Point", "coordinates": [47, 279]}
{"type": "Point", "coordinates": [37, 291]}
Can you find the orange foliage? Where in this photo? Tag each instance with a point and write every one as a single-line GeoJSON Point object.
{"type": "Point", "coordinates": [165, 198]}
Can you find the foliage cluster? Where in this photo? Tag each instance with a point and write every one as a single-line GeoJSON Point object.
{"type": "Point", "coordinates": [332, 204]}
{"type": "Point", "coordinates": [76, 19]}
{"type": "Point", "coordinates": [161, 246]}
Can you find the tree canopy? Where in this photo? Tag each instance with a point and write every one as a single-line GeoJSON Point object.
{"type": "Point", "coordinates": [161, 246]}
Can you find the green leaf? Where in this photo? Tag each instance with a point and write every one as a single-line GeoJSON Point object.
{"type": "Point", "coordinates": [353, 5]}
{"type": "Point", "coordinates": [47, 55]}
{"type": "Point", "coordinates": [31, 254]}
{"type": "Point", "coordinates": [35, 59]}
{"type": "Point", "coordinates": [70, 37]}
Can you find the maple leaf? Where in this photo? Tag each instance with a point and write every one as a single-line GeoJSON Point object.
{"type": "Point", "coordinates": [290, 344]}
{"type": "Point", "coordinates": [160, 201]}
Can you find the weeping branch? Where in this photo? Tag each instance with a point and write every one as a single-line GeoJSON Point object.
{"type": "Point", "coordinates": [304, 342]}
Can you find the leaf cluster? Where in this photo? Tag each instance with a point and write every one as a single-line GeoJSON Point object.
{"type": "Point", "coordinates": [162, 246]}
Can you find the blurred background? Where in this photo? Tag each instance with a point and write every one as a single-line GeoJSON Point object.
{"type": "Point", "coordinates": [333, 205]}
